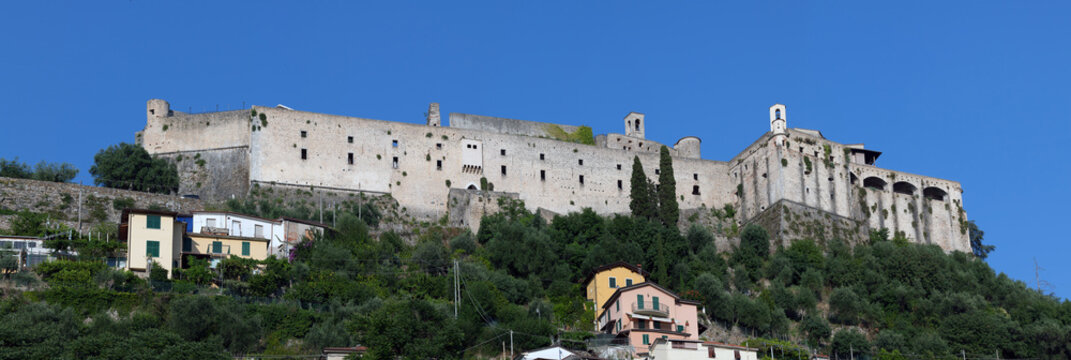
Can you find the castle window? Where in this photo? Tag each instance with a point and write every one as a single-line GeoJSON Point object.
{"type": "Point", "coordinates": [763, 175]}
{"type": "Point", "coordinates": [638, 127]}
{"type": "Point", "coordinates": [473, 146]}
{"type": "Point", "coordinates": [394, 143]}
{"type": "Point", "coordinates": [542, 157]}
{"type": "Point", "coordinates": [438, 165]}
{"type": "Point", "coordinates": [580, 162]}
{"type": "Point", "coordinates": [934, 193]}
{"type": "Point", "coordinates": [581, 179]}
{"type": "Point", "coordinates": [619, 185]}
{"type": "Point", "coordinates": [304, 154]}
{"type": "Point", "coordinates": [304, 134]}
{"type": "Point", "coordinates": [695, 189]}
{"type": "Point", "coordinates": [619, 166]}
{"type": "Point", "coordinates": [394, 162]}
{"type": "Point", "coordinates": [503, 170]}
{"type": "Point", "coordinates": [349, 139]}
{"type": "Point", "coordinates": [874, 182]}
{"type": "Point", "coordinates": [657, 171]}
{"type": "Point", "coordinates": [695, 176]}
{"type": "Point", "coordinates": [543, 175]}
{"type": "Point", "coordinates": [801, 149]}
{"type": "Point", "coordinates": [503, 152]}
{"type": "Point", "coordinates": [350, 158]}
{"type": "Point", "coordinates": [438, 146]}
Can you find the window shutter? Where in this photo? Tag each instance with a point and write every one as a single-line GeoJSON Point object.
{"type": "Point", "coordinates": [152, 248]}
{"type": "Point", "coordinates": [639, 301]}
{"type": "Point", "coordinates": [245, 248]}
{"type": "Point", "coordinates": [152, 221]}
{"type": "Point", "coordinates": [217, 247]}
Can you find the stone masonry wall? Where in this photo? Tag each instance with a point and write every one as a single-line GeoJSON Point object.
{"type": "Point", "coordinates": [60, 201]}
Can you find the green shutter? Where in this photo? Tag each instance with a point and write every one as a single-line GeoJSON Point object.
{"type": "Point", "coordinates": [639, 301]}
{"type": "Point", "coordinates": [646, 339]}
{"type": "Point", "coordinates": [217, 247]}
{"type": "Point", "coordinates": [655, 301]}
{"type": "Point", "coordinates": [187, 244]}
{"type": "Point", "coordinates": [618, 304]}
{"type": "Point", "coordinates": [152, 221]}
{"type": "Point", "coordinates": [245, 248]}
{"type": "Point", "coordinates": [152, 248]}
{"type": "Point", "coordinates": [680, 328]}
{"type": "Point", "coordinates": [613, 283]}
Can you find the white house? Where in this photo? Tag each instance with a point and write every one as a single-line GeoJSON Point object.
{"type": "Point", "coordinates": [282, 233]}
{"type": "Point", "coordinates": [664, 349]}
{"type": "Point", "coordinates": [548, 353]}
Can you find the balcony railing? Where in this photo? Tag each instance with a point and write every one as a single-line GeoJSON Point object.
{"type": "Point", "coordinates": [650, 309]}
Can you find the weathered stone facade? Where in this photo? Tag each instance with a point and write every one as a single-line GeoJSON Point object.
{"type": "Point", "coordinates": [98, 204]}
{"type": "Point", "coordinates": [423, 166]}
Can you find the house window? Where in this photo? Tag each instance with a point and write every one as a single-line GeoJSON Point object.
{"type": "Point", "coordinates": [258, 231]}
{"type": "Point", "coordinates": [619, 185]}
{"type": "Point", "coordinates": [304, 154]}
{"type": "Point", "coordinates": [438, 165]}
{"type": "Point", "coordinates": [210, 222]}
{"type": "Point", "coordinates": [654, 303]}
{"type": "Point", "coordinates": [542, 157]}
{"type": "Point", "coordinates": [736, 353]}
{"type": "Point", "coordinates": [613, 282]}
{"type": "Point", "coordinates": [641, 324]}
{"type": "Point", "coordinates": [618, 305]}
{"type": "Point", "coordinates": [394, 143]}
{"type": "Point", "coordinates": [152, 221]}
{"type": "Point", "coordinates": [245, 248]}
{"type": "Point", "coordinates": [502, 152]}
{"type": "Point", "coordinates": [349, 139]}
{"type": "Point", "coordinates": [543, 175]}
{"type": "Point", "coordinates": [152, 248]}
{"type": "Point", "coordinates": [695, 189]}
{"type": "Point", "coordinates": [646, 339]}
{"type": "Point", "coordinates": [695, 176]}
{"type": "Point", "coordinates": [628, 282]}
{"type": "Point", "coordinates": [503, 170]}
{"type": "Point", "coordinates": [304, 134]}
{"type": "Point", "coordinates": [580, 162]}
{"type": "Point", "coordinates": [656, 325]}
{"type": "Point", "coordinates": [394, 162]}
{"type": "Point", "coordinates": [581, 179]}
{"type": "Point", "coordinates": [217, 247]}
{"type": "Point", "coordinates": [711, 353]}
{"type": "Point", "coordinates": [187, 244]}
{"type": "Point", "coordinates": [349, 158]}
{"type": "Point", "coordinates": [680, 328]}
{"type": "Point", "coordinates": [639, 301]}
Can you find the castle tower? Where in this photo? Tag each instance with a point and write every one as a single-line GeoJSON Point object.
{"type": "Point", "coordinates": [433, 115]}
{"type": "Point", "coordinates": [634, 124]}
{"type": "Point", "coordinates": [157, 109]}
{"type": "Point", "coordinates": [778, 123]}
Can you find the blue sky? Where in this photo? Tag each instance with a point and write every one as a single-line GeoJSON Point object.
{"type": "Point", "coordinates": [974, 91]}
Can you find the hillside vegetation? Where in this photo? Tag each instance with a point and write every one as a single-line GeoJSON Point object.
{"type": "Point", "coordinates": [888, 298]}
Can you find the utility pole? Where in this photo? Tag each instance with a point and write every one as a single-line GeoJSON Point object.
{"type": "Point", "coordinates": [321, 209]}
{"type": "Point", "coordinates": [1037, 276]}
{"type": "Point", "coordinates": [334, 214]}
{"type": "Point", "coordinates": [457, 289]}
{"type": "Point", "coordinates": [80, 210]}
{"type": "Point", "coordinates": [511, 344]}
{"type": "Point", "coordinates": [851, 351]}
{"type": "Point", "coordinates": [963, 353]}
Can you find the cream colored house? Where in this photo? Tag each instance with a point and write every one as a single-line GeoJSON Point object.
{"type": "Point", "coordinates": [663, 349]}
{"type": "Point", "coordinates": [151, 236]}
{"type": "Point", "coordinates": [606, 279]}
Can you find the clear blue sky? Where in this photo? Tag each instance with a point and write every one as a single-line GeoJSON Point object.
{"type": "Point", "coordinates": [975, 92]}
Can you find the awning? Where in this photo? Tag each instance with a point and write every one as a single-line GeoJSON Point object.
{"type": "Point", "coordinates": [655, 318]}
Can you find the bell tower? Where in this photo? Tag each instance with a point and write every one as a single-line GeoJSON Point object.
{"type": "Point", "coordinates": [778, 123]}
{"type": "Point", "coordinates": [634, 124]}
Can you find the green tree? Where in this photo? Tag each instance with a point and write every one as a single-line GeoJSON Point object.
{"type": "Point", "coordinates": [127, 166]}
{"type": "Point", "coordinates": [849, 342]}
{"type": "Point", "coordinates": [755, 240]}
{"type": "Point", "coordinates": [641, 204]}
{"type": "Point", "coordinates": [29, 223]}
{"type": "Point", "coordinates": [817, 329]}
{"type": "Point", "coordinates": [55, 172]}
{"type": "Point", "coordinates": [979, 249]}
{"type": "Point", "coordinates": [668, 210]}
{"type": "Point", "coordinates": [844, 306]}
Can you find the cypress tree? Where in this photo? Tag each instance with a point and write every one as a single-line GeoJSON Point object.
{"type": "Point", "coordinates": [641, 200]}
{"type": "Point", "coordinates": [669, 211]}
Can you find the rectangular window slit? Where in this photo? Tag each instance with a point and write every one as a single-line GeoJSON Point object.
{"type": "Point", "coordinates": [349, 158]}
{"type": "Point", "coordinates": [304, 154]}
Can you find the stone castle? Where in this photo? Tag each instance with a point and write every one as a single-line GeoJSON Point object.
{"type": "Point", "coordinates": [434, 170]}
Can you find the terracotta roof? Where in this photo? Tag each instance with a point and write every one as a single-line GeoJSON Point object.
{"type": "Point", "coordinates": [614, 265]}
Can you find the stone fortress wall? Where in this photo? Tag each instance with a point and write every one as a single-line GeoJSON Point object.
{"type": "Point", "coordinates": [419, 165]}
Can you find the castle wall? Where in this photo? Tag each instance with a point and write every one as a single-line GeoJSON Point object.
{"type": "Point", "coordinates": [922, 219]}
{"type": "Point", "coordinates": [214, 174]}
{"type": "Point", "coordinates": [553, 182]}
{"type": "Point", "coordinates": [505, 126]}
{"type": "Point", "coordinates": [185, 132]}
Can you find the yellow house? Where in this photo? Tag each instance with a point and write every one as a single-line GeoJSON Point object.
{"type": "Point", "coordinates": [151, 236]}
{"type": "Point", "coordinates": [223, 246]}
{"type": "Point", "coordinates": [606, 279]}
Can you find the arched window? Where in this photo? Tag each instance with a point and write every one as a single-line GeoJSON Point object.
{"type": "Point", "coordinates": [904, 187]}
{"type": "Point", "coordinates": [637, 124]}
{"type": "Point", "coordinates": [874, 182]}
{"type": "Point", "coordinates": [933, 193]}
{"type": "Point", "coordinates": [777, 114]}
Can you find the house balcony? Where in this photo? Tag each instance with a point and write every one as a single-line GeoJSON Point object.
{"type": "Point", "coordinates": [650, 309]}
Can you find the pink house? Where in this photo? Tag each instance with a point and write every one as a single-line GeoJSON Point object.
{"type": "Point", "coordinates": [644, 312]}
